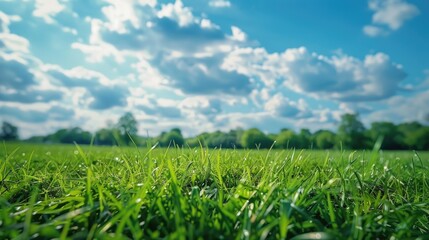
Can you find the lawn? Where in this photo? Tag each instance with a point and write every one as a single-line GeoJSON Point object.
{"type": "Point", "coordinates": [86, 192]}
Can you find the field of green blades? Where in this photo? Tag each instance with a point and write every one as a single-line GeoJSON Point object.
{"type": "Point", "coordinates": [88, 192]}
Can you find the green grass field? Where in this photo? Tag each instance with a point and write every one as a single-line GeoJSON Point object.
{"type": "Point", "coordinates": [56, 191]}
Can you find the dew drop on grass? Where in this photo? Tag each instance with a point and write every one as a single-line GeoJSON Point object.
{"type": "Point", "coordinates": [139, 184]}
{"type": "Point", "coordinates": [138, 200]}
{"type": "Point", "coordinates": [76, 152]}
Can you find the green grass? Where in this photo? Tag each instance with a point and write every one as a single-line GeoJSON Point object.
{"type": "Point", "coordinates": [57, 191]}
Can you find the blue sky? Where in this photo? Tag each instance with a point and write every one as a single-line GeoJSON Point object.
{"type": "Point", "coordinates": [212, 65]}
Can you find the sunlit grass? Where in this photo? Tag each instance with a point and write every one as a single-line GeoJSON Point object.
{"type": "Point", "coordinates": [56, 191]}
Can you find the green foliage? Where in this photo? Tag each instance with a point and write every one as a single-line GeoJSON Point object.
{"type": "Point", "coordinates": [8, 132]}
{"type": "Point", "coordinates": [325, 139]}
{"type": "Point", "coordinates": [128, 127]}
{"type": "Point", "coordinates": [410, 132]}
{"type": "Point", "coordinates": [288, 140]}
{"type": "Point", "coordinates": [422, 139]}
{"type": "Point", "coordinates": [70, 192]}
{"type": "Point", "coordinates": [392, 138]}
{"type": "Point", "coordinates": [351, 132]}
{"type": "Point", "coordinates": [255, 138]}
{"type": "Point", "coordinates": [106, 136]}
{"type": "Point", "coordinates": [217, 139]}
{"type": "Point", "coordinates": [172, 138]}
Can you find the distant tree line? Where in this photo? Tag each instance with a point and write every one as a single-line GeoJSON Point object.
{"type": "Point", "coordinates": [351, 134]}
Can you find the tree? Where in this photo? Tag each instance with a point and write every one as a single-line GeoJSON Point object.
{"type": "Point", "coordinates": [254, 138]}
{"type": "Point", "coordinates": [127, 125]}
{"type": "Point", "coordinates": [172, 138]}
{"type": "Point", "coordinates": [324, 139]}
{"type": "Point", "coordinates": [288, 139]}
{"type": "Point", "coordinates": [392, 138]}
{"type": "Point", "coordinates": [409, 132]}
{"type": "Point", "coordinates": [106, 136]}
{"type": "Point", "coordinates": [70, 135]}
{"type": "Point", "coordinates": [422, 139]}
{"type": "Point", "coordinates": [305, 138]}
{"type": "Point", "coordinates": [351, 132]}
{"type": "Point", "coordinates": [8, 132]}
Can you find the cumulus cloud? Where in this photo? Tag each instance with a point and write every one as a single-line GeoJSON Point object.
{"type": "Point", "coordinates": [237, 34]}
{"type": "Point", "coordinates": [121, 12]}
{"type": "Point", "coordinates": [55, 113]}
{"type": "Point", "coordinates": [187, 50]}
{"type": "Point", "coordinates": [161, 108]}
{"type": "Point", "coordinates": [220, 3]}
{"type": "Point", "coordinates": [188, 39]}
{"type": "Point", "coordinates": [403, 109]}
{"type": "Point", "coordinates": [5, 21]}
{"type": "Point", "coordinates": [47, 9]}
{"type": "Point", "coordinates": [177, 12]}
{"type": "Point", "coordinates": [199, 105]}
{"type": "Point", "coordinates": [19, 84]}
{"type": "Point", "coordinates": [389, 13]}
{"type": "Point", "coordinates": [374, 31]}
{"type": "Point", "coordinates": [31, 96]}
{"type": "Point", "coordinates": [338, 77]}
{"type": "Point", "coordinates": [101, 93]}
{"type": "Point", "coordinates": [15, 75]}
{"type": "Point", "coordinates": [283, 107]}
{"type": "Point", "coordinates": [204, 76]}
{"type": "Point", "coordinates": [9, 41]}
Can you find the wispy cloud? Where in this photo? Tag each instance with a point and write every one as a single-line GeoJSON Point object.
{"type": "Point", "coordinates": [220, 3]}
{"type": "Point", "coordinates": [389, 15]}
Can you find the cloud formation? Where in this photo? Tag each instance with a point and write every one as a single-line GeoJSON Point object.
{"type": "Point", "coordinates": [181, 64]}
{"type": "Point", "coordinates": [19, 84]}
{"type": "Point", "coordinates": [186, 49]}
{"type": "Point", "coordinates": [102, 94]}
{"type": "Point", "coordinates": [339, 77]}
{"type": "Point", "coordinates": [47, 9]}
{"type": "Point", "coordinates": [390, 14]}
{"type": "Point", "coordinates": [283, 107]}
{"type": "Point", "coordinates": [220, 3]}
{"type": "Point", "coordinates": [55, 113]}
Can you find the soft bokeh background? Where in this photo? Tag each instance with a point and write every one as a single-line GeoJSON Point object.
{"type": "Point", "coordinates": [212, 65]}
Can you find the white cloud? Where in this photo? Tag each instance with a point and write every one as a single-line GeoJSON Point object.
{"type": "Point", "coordinates": [14, 43]}
{"type": "Point", "coordinates": [47, 9]}
{"type": "Point", "coordinates": [6, 20]}
{"type": "Point", "coordinates": [339, 77]}
{"type": "Point", "coordinates": [118, 13]}
{"type": "Point", "coordinates": [206, 23]}
{"type": "Point", "coordinates": [198, 106]}
{"type": "Point", "coordinates": [178, 12]}
{"type": "Point", "coordinates": [220, 3]}
{"type": "Point", "coordinates": [374, 31]}
{"type": "Point", "coordinates": [237, 34]}
{"type": "Point", "coordinates": [283, 107]}
{"type": "Point", "coordinates": [403, 109]}
{"type": "Point", "coordinates": [97, 49]}
{"type": "Point", "coordinates": [389, 13]}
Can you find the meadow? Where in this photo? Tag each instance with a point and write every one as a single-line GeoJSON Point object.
{"type": "Point", "coordinates": [89, 192]}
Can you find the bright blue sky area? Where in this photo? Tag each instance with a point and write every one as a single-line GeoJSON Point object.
{"type": "Point", "coordinates": [212, 65]}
